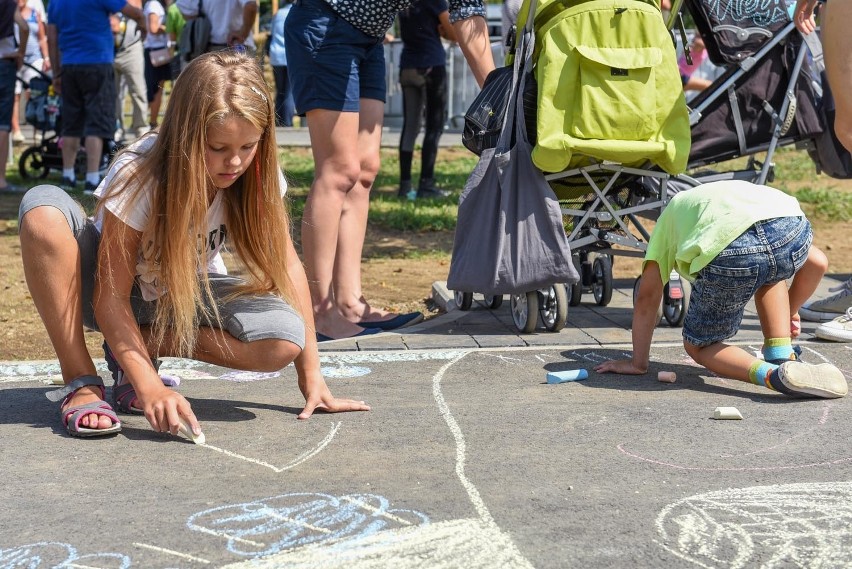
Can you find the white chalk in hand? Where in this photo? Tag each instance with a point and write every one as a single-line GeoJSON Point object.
{"type": "Point", "coordinates": [186, 430]}
{"type": "Point", "coordinates": [567, 375]}
{"type": "Point", "coordinates": [727, 413]}
{"type": "Point", "coordinates": [667, 376]}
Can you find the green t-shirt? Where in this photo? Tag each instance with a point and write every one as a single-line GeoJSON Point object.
{"type": "Point", "coordinates": [697, 224]}
{"type": "Point", "coordinates": [174, 21]}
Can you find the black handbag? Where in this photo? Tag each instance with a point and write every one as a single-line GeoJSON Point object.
{"type": "Point", "coordinates": [483, 120]}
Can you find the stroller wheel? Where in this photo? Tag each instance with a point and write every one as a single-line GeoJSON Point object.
{"type": "Point", "coordinates": [463, 299]}
{"type": "Point", "coordinates": [494, 302]}
{"type": "Point", "coordinates": [554, 307]}
{"type": "Point", "coordinates": [602, 280]}
{"type": "Point", "coordinates": [31, 165]}
{"type": "Point", "coordinates": [525, 311]}
{"type": "Point", "coordinates": [674, 309]}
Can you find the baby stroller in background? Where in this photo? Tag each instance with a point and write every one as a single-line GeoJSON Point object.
{"type": "Point", "coordinates": [43, 113]}
{"type": "Point", "coordinates": [619, 118]}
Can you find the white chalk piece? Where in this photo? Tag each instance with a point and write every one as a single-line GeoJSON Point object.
{"type": "Point", "coordinates": [731, 413]}
{"type": "Point", "coordinates": [567, 375]}
{"type": "Point", "coordinates": [667, 376]}
{"type": "Point", "coordinates": [186, 430]}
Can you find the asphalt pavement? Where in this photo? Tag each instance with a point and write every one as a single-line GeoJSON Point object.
{"type": "Point", "coordinates": [469, 458]}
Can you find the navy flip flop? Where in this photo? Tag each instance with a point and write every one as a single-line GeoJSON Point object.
{"type": "Point", "coordinates": [397, 321]}
{"type": "Point", "coordinates": [364, 332]}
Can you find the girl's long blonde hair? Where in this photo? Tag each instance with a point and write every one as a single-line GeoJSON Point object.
{"type": "Point", "coordinates": [213, 88]}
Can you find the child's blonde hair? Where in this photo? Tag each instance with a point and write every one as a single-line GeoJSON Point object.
{"type": "Point", "coordinates": [213, 88]}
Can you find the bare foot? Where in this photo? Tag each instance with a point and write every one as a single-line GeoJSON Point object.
{"type": "Point", "coordinates": [361, 311]}
{"type": "Point", "coordinates": [335, 326]}
{"type": "Point", "coordinates": [89, 394]}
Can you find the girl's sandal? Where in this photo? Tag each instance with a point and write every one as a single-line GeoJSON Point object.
{"type": "Point", "coordinates": [72, 416]}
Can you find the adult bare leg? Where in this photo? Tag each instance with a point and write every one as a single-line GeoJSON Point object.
{"type": "Point", "coordinates": [838, 65]}
{"type": "Point", "coordinates": [348, 295]}
{"type": "Point", "coordinates": [337, 173]}
{"type": "Point", "coordinates": [51, 260]}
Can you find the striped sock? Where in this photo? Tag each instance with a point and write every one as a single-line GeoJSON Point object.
{"type": "Point", "coordinates": [778, 350]}
{"type": "Point", "coordinates": [760, 373]}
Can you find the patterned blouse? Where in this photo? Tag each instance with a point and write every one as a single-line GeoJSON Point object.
{"type": "Point", "coordinates": [375, 17]}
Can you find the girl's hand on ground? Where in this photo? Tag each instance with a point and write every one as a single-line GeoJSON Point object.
{"type": "Point", "coordinates": [331, 405]}
{"type": "Point", "coordinates": [624, 367]}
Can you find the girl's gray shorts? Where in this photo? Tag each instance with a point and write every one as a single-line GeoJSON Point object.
{"type": "Point", "coordinates": [247, 318]}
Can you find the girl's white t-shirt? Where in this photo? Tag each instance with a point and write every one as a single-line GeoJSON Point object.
{"type": "Point", "coordinates": [137, 213]}
{"type": "Point", "coordinates": [155, 41]}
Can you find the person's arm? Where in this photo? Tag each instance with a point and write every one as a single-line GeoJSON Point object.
{"type": "Point", "coordinates": [644, 322]}
{"type": "Point", "coordinates": [136, 14]}
{"type": "Point", "coordinates": [23, 37]}
{"type": "Point", "coordinates": [156, 23]}
{"type": "Point", "coordinates": [249, 16]}
{"type": "Point", "coordinates": [42, 43]}
{"type": "Point", "coordinates": [472, 36]}
{"type": "Point", "coordinates": [55, 57]}
{"type": "Point", "coordinates": [163, 407]}
{"type": "Point", "coordinates": [445, 28]}
{"type": "Point", "coordinates": [803, 16]}
{"type": "Point", "coordinates": [311, 383]}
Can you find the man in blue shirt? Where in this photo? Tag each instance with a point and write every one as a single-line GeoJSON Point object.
{"type": "Point", "coordinates": [82, 52]}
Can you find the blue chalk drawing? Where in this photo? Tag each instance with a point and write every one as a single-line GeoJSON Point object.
{"type": "Point", "coordinates": [271, 525]}
{"type": "Point", "coordinates": [56, 555]}
{"type": "Point", "coordinates": [247, 376]}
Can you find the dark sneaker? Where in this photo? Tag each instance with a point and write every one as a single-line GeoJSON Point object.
{"type": "Point", "coordinates": [68, 184]}
{"type": "Point", "coordinates": [90, 188]}
{"type": "Point", "coordinates": [405, 190]}
{"type": "Point", "coordinates": [427, 189]}
{"type": "Point", "coordinates": [823, 380]}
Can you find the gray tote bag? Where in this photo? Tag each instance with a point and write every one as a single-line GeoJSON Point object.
{"type": "Point", "coordinates": [509, 236]}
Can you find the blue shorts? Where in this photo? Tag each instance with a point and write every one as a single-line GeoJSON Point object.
{"type": "Point", "coordinates": [8, 76]}
{"type": "Point", "coordinates": [768, 252]}
{"type": "Point", "coordinates": [245, 317]}
{"type": "Point", "coordinates": [88, 100]}
{"type": "Point", "coordinates": [331, 64]}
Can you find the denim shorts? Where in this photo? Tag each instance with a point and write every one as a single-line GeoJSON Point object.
{"type": "Point", "coordinates": [331, 64]}
{"type": "Point", "coordinates": [8, 73]}
{"type": "Point", "coordinates": [246, 318]}
{"type": "Point", "coordinates": [88, 100]}
{"type": "Point", "coordinates": [768, 252]}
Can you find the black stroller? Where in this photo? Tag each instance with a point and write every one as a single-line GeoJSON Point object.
{"type": "Point", "coordinates": [43, 113]}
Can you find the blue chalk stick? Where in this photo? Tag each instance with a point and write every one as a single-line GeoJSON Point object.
{"type": "Point", "coordinates": [567, 375]}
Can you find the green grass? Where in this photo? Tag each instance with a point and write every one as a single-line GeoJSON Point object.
{"type": "Point", "coordinates": [823, 198]}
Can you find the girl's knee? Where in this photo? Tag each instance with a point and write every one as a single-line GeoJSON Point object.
{"type": "Point", "coordinates": [692, 350]}
{"type": "Point", "coordinates": [274, 354]}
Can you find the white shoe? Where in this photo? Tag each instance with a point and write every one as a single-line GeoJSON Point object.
{"type": "Point", "coordinates": [838, 330]}
{"type": "Point", "coordinates": [830, 307]}
{"type": "Point", "coordinates": [18, 137]}
{"type": "Point", "coordinates": [823, 380]}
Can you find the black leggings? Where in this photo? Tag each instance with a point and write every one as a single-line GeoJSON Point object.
{"type": "Point", "coordinates": [423, 87]}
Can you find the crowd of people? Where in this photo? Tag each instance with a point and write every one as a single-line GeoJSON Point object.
{"type": "Point", "coordinates": [147, 271]}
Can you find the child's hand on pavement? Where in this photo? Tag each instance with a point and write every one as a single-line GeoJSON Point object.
{"type": "Point", "coordinates": [164, 408]}
{"type": "Point", "coordinates": [624, 367]}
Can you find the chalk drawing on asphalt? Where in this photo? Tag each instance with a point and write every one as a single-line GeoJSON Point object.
{"type": "Point", "coordinates": [361, 531]}
{"type": "Point", "coordinates": [344, 371]}
{"type": "Point", "coordinates": [308, 454]}
{"type": "Point", "coordinates": [47, 555]}
{"type": "Point", "coordinates": [248, 376]}
{"type": "Point", "coordinates": [172, 552]}
{"type": "Point", "coordinates": [790, 525]}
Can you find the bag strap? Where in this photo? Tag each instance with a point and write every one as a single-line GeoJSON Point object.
{"type": "Point", "coordinates": [520, 67]}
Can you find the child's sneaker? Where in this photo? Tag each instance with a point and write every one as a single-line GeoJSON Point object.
{"type": "Point", "coordinates": [831, 307]}
{"type": "Point", "coordinates": [838, 330]}
{"type": "Point", "coordinates": [823, 380]}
